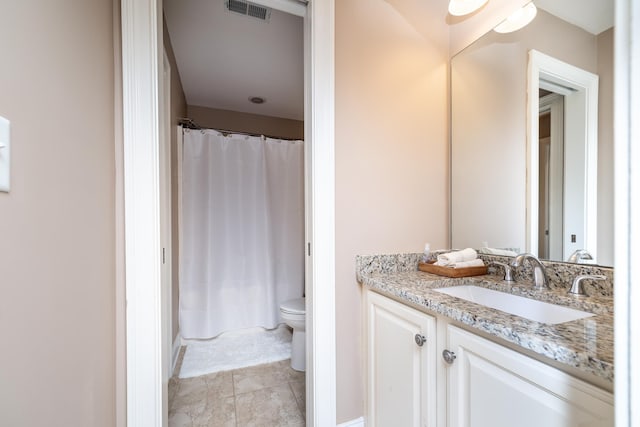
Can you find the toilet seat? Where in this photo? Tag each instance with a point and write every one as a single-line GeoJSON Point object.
{"type": "Point", "coordinates": [293, 306]}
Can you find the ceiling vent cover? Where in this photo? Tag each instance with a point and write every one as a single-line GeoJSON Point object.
{"type": "Point", "coordinates": [248, 9]}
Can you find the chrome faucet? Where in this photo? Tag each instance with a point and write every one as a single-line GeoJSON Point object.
{"type": "Point", "coordinates": [578, 289]}
{"type": "Point", "coordinates": [580, 256]}
{"type": "Point", "coordinates": [539, 274]}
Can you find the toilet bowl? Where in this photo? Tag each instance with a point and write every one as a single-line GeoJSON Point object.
{"type": "Point", "coordinates": [293, 314]}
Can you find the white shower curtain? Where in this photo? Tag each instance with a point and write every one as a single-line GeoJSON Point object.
{"type": "Point", "coordinates": [243, 231]}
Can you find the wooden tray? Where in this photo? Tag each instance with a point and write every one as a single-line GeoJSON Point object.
{"type": "Point", "coordinates": [452, 272]}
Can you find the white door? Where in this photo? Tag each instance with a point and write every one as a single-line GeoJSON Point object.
{"type": "Point", "coordinates": [401, 387]}
{"type": "Point", "coordinates": [543, 188]}
{"type": "Point", "coordinates": [554, 206]}
{"type": "Point", "coordinates": [492, 386]}
{"type": "Point", "coordinates": [165, 226]}
{"type": "Point", "coordinates": [575, 186]}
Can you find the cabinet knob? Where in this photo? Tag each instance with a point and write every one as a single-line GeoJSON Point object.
{"type": "Point", "coordinates": [448, 356]}
{"type": "Point", "coordinates": [420, 340]}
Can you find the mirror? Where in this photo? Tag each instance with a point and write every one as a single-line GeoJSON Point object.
{"type": "Point", "coordinates": [497, 144]}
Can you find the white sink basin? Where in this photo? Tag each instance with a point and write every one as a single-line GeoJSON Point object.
{"type": "Point", "coordinates": [520, 306]}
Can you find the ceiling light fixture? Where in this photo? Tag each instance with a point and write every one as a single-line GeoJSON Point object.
{"type": "Point", "coordinates": [518, 19]}
{"type": "Point", "coordinates": [257, 100]}
{"type": "Point", "coordinates": [465, 7]}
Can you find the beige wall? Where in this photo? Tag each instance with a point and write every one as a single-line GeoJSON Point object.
{"type": "Point", "coordinates": [246, 122]}
{"type": "Point", "coordinates": [605, 148]}
{"type": "Point", "coordinates": [391, 157]}
{"type": "Point", "coordinates": [57, 226]}
{"type": "Point", "coordinates": [178, 110]}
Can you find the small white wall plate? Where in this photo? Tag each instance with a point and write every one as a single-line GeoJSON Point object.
{"type": "Point", "coordinates": [5, 154]}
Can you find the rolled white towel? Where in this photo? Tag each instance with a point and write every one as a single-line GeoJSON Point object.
{"type": "Point", "coordinates": [500, 252]}
{"type": "Point", "coordinates": [457, 256]}
{"type": "Point", "coordinates": [473, 263]}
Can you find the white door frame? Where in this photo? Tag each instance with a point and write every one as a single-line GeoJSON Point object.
{"type": "Point", "coordinates": [142, 53]}
{"type": "Point", "coordinates": [627, 212]}
{"type": "Point", "coordinates": [563, 74]}
{"type": "Point", "coordinates": [165, 225]}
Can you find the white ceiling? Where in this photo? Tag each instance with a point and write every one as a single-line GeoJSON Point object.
{"type": "Point", "coordinates": [594, 16]}
{"type": "Point", "coordinates": [225, 58]}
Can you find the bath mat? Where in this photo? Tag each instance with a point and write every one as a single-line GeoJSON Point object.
{"type": "Point", "coordinates": [236, 349]}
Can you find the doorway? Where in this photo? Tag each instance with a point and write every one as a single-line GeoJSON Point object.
{"type": "Point", "coordinates": [141, 62]}
{"type": "Point", "coordinates": [579, 90]}
{"type": "Point", "coordinates": [551, 161]}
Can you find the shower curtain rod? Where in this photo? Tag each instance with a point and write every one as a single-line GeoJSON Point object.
{"type": "Point", "coordinates": [188, 123]}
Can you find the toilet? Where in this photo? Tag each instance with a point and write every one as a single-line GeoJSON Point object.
{"type": "Point", "coordinates": [293, 314]}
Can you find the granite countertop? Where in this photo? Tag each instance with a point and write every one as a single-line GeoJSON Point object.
{"type": "Point", "coordinates": [585, 344]}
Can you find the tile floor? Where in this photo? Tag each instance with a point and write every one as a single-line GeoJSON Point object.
{"type": "Point", "coordinates": [267, 395]}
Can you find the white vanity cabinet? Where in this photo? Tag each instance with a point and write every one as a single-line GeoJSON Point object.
{"type": "Point", "coordinates": [484, 385]}
{"type": "Point", "coordinates": [491, 385]}
{"type": "Point", "coordinates": [401, 367]}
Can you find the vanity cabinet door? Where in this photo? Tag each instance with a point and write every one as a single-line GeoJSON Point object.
{"type": "Point", "coordinates": [400, 365]}
{"type": "Point", "coordinates": [493, 386]}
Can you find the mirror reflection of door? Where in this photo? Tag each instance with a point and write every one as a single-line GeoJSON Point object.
{"type": "Point", "coordinates": [575, 90]}
{"type": "Point", "coordinates": [551, 171]}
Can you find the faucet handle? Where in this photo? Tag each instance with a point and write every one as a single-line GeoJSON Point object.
{"type": "Point", "coordinates": [508, 270]}
{"type": "Point", "coordinates": [577, 287]}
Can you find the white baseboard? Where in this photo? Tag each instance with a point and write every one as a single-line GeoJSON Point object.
{"type": "Point", "coordinates": [358, 422]}
{"type": "Point", "coordinates": [175, 351]}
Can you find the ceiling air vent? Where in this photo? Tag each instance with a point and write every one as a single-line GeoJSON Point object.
{"type": "Point", "coordinates": [249, 9]}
